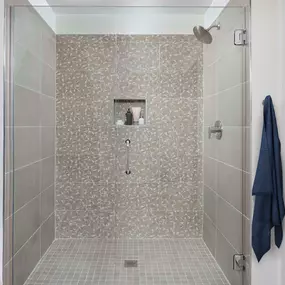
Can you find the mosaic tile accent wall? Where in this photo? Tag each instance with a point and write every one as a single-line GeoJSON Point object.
{"type": "Point", "coordinates": [163, 195]}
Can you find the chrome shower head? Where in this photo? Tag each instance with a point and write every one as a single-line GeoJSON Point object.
{"type": "Point", "coordinates": [203, 35]}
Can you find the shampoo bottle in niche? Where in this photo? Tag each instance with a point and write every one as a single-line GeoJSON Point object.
{"type": "Point", "coordinates": [141, 120]}
{"type": "Point", "coordinates": [129, 117]}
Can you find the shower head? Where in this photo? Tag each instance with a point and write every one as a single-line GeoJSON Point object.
{"type": "Point", "coordinates": [203, 35]}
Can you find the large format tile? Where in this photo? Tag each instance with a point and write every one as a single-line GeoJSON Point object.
{"type": "Point", "coordinates": [28, 33]}
{"type": "Point", "coordinates": [210, 204]}
{"type": "Point", "coordinates": [47, 203]}
{"type": "Point", "coordinates": [230, 106]}
{"type": "Point", "coordinates": [24, 266]}
{"type": "Point", "coordinates": [209, 234]}
{"type": "Point", "coordinates": [47, 234]}
{"type": "Point", "coordinates": [210, 173]}
{"type": "Point", "coordinates": [48, 172]}
{"type": "Point", "coordinates": [26, 146]}
{"type": "Point", "coordinates": [226, 79]}
{"type": "Point", "coordinates": [224, 256]}
{"type": "Point", "coordinates": [26, 184]}
{"type": "Point", "coordinates": [49, 49]}
{"type": "Point", "coordinates": [230, 185]}
{"type": "Point", "coordinates": [229, 223]}
{"type": "Point", "coordinates": [47, 141]}
{"type": "Point", "coordinates": [25, 60]}
{"type": "Point", "coordinates": [210, 110]}
{"type": "Point", "coordinates": [230, 147]}
{"type": "Point", "coordinates": [23, 230]}
{"type": "Point", "coordinates": [48, 81]}
{"type": "Point", "coordinates": [47, 111]}
{"type": "Point", "coordinates": [26, 107]}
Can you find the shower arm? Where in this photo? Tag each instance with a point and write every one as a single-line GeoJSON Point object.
{"type": "Point", "coordinates": [218, 27]}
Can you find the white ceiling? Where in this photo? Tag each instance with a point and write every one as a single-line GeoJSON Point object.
{"type": "Point", "coordinates": [99, 6]}
{"type": "Point", "coordinates": [128, 10]}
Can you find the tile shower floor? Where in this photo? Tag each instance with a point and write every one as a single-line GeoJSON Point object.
{"type": "Point", "coordinates": [160, 262]}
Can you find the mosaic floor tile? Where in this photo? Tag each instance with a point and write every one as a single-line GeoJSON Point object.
{"type": "Point", "coordinates": [160, 262]}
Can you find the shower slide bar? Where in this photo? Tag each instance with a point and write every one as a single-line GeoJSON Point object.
{"type": "Point", "coordinates": [128, 144]}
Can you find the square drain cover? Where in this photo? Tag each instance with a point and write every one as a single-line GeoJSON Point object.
{"type": "Point", "coordinates": [131, 263]}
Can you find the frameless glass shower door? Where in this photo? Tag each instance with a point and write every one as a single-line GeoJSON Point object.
{"type": "Point", "coordinates": [115, 177]}
{"type": "Point", "coordinates": [226, 154]}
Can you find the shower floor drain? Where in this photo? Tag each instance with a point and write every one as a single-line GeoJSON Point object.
{"type": "Point", "coordinates": [131, 263]}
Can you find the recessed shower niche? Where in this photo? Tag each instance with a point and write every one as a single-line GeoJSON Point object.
{"type": "Point", "coordinates": [130, 112]}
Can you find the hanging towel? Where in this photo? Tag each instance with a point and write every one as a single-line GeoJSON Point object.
{"type": "Point", "coordinates": [268, 186]}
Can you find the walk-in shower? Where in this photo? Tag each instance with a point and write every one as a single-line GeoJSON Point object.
{"type": "Point", "coordinates": [111, 176]}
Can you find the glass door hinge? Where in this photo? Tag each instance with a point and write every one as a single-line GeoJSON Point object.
{"type": "Point", "coordinates": [239, 262]}
{"type": "Point", "coordinates": [240, 37]}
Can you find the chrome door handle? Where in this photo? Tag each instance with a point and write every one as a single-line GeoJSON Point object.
{"type": "Point", "coordinates": [128, 144]}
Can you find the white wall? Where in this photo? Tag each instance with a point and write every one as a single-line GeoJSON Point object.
{"type": "Point", "coordinates": [45, 11]}
{"type": "Point", "coordinates": [268, 77]}
{"type": "Point", "coordinates": [128, 23]}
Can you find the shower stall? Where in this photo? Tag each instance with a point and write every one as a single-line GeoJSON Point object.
{"type": "Point", "coordinates": [91, 200]}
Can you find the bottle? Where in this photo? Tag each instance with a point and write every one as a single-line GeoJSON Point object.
{"type": "Point", "coordinates": [141, 120]}
{"type": "Point", "coordinates": [129, 117]}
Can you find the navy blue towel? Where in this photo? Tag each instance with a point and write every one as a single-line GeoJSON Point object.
{"type": "Point", "coordinates": [268, 186]}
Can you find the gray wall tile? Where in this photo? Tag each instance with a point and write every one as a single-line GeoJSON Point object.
{"type": "Point", "coordinates": [32, 131]}
{"type": "Point", "coordinates": [23, 29]}
{"type": "Point", "coordinates": [47, 203]}
{"type": "Point", "coordinates": [26, 184]}
{"type": "Point", "coordinates": [47, 234]}
{"type": "Point", "coordinates": [26, 145]}
{"type": "Point", "coordinates": [25, 60]}
{"type": "Point", "coordinates": [229, 222]}
{"type": "Point", "coordinates": [26, 107]}
{"type": "Point", "coordinates": [230, 185]}
{"type": "Point", "coordinates": [224, 256]}
{"type": "Point", "coordinates": [48, 172]}
{"type": "Point", "coordinates": [210, 234]}
{"type": "Point", "coordinates": [47, 141]}
{"type": "Point", "coordinates": [210, 173]}
{"type": "Point", "coordinates": [48, 81]}
{"type": "Point", "coordinates": [26, 259]}
{"type": "Point", "coordinates": [230, 106]}
{"type": "Point", "coordinates": [210, 203]}
{"type": "Point", "coordinates": [229, 149]}
{"type": "Point", "coordinates": [23, 230]}
{"type": "Point", "coordinates": [47, 111]}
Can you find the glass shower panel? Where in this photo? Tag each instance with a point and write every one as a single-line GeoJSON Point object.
{"type": "Point", "coordinates": [226, 159]}
{"type": "Point", "coordinates": [31, 105]}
